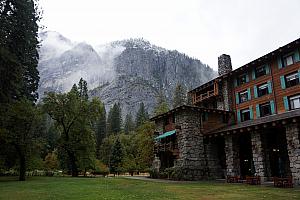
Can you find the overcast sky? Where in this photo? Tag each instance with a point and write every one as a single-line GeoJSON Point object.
{"type": "Point", "coordinates": [204, 29]}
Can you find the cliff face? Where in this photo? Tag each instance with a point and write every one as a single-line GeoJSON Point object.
{"type": "Point", "coordinates": [128, 71]}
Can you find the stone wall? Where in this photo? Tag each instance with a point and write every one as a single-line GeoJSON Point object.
{"type": "Point", "coordinates": [293, 147]}
{"type": "Point", "coordinates": [232, 156]}
{"type": "Point", "coordinates": [191, 160]}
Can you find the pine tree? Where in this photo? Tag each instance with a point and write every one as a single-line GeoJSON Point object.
{"type": "Point", "coordinates": [114, 119]}
{"type": "Point", "coordinates": [100, 129]}
{"type": "Point", "coordinates": [179, 97]}
{"type": "Point", "coordinates": [116, 158]}
{"type": "Point", "coordinates": [129, 124]}
{"type": "Point", "coordinates": [19, 43]}
{"type": "Point", "coordinates": [142, 115]}
{"type": "Point", "coordinates": [161, 104]}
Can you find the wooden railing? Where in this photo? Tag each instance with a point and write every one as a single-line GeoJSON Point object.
{"type": "Point", "coordinates": [204, 96]}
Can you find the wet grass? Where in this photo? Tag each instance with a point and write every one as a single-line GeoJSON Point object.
{"type": "Point", "coordinates": [46, 188]}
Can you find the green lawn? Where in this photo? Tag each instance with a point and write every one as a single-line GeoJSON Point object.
{"type": "Point", "coordinates": [122, 188]}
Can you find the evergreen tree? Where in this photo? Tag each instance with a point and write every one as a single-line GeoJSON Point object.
{"type": "Point", "coordinates": [161, 104]}
{"type": "Point", "coordinates": [83, 90]}
{"type": "Point", "coordinates": [129, 124]}
{"type": "Point", "coordinates": [142, 115]}
{"type": "Point", "coordinates": [114, 119]}
{"type": "Point", "coordinates": [116, 158]}
{"type": "Point", "coordinates": [18, 44]}
{"type": "Point", "coordinates": [100, 129]}
{"type": "Point", "coordinates": [179, 97]}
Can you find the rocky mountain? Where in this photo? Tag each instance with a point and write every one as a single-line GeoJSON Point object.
{"type": "Point", "coordinates": [127, 71]}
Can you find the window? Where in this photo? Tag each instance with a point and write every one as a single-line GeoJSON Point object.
{"type": "Point", "coordinates": [244, 96]}
{"type": "Point", "coordinates": [245, 115]}
{"type": "Point", "coordinates": [242, 79]}
{"type": "Point", "coordinates": [265, 109]}
{"type": "Point", "coordinates": [260, 71]}
{"type": "Point", "coordinates": [292, 79]}
{"type": "Point", "coordinates": [288, 60]}
{"type": "Point", "coordinates": [262, 90]}
{"type": "Point", "coordinates": [204, 116]}
{"type": "Point", "coordinates": [294, 102]}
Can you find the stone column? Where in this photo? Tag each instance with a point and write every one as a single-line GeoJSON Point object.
{"type": "Point", "coordinates": [213, 162]}
{"type": "Point", "coordinates": [257, 154]}
{"type": "Point", "coordinates": [232, 156]}
{"type": "Point", "coordinates": [293, 147]}
{"type": "Point", "coordinates": [191, 160]}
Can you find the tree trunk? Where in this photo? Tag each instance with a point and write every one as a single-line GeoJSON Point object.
{"type": "Point", "coordinates": [73, 164]}
{"type": "Point", "coordinates": [22, 168]}
{"type": "Point", "coordinates": [22, 162]}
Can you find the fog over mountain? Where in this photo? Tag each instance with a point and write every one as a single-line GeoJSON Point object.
{"type": "Point", "coordinates": [128, 71]}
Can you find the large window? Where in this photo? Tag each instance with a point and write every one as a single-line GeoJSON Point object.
{"type": "Point", "coordinates": [244, 96]}
{"type": "Point", "coordinates": [288, 59]}
{"type": "Point", "coordinates": [260, 71]}
{"type": "Point", "coordinates": [292, 79]}
{"type": "Point", "coordinates": [294, 102]}
{"type": "Point", "coordinates": [265, 109]}
{"type": "Point", "coordinates": [262, 90]}
{"type": "Point", "coordinates": [245, 115]}
{"type": "Point", "coordinates": [242, 79]}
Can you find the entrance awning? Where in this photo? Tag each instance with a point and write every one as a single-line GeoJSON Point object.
{"type": "Point", "coordinates": [166, 134]}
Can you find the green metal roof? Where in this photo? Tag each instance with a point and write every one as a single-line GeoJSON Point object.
{"type": "Point", "coordinates": [166, 134]}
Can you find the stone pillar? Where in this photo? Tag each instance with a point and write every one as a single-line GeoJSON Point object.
{"type": "Point", "coordinates": [232, 156]}
{"type": "Point", "coordinates": [156, 164]}
{"type": "Point", "coordinates": [191, 160]}
{"type": "Point", "coordinates": [257, 154]}
{"type": "Point", "coordinates": [293, 147]}
{"type": "Point", "coordinates": [213, 162]}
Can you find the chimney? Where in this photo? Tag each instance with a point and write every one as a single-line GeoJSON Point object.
{"type": "Point", "coordinates": [224, 64]}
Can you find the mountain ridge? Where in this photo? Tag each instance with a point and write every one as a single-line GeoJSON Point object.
{"type": "Point", "coordinates": [126, 71]}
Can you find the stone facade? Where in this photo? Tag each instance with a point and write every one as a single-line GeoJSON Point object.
{"type": "Point", "coordinates": [191, 160]}
{"type": "Point", "coordinates": [232, 156]}
{"type": "Point", "coordinates": [257, 154]}
{"type": "Point", "coordinates": [293, 146]}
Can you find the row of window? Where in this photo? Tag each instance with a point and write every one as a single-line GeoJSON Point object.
{"type": "Point", "coordinates": [268, 108]}
{"type": "Point", "coordinates": [259, 71]}
{"type": "Point", "coordinates": [256, 73]}
{"type": "Point", "coordinates": [287, 81]}
{"type": "Point", "coordinates": [259, 91]}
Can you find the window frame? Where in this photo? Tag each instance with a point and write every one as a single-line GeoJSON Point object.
{"type": "Point", "coordinates": [294, 98]}
{"type": "Point", "coordinates": [266, 86]}
{"type": "Point", "coordinates": [261, 110]}
{"type": "Point", "coordinates": [284, 59]}
{"type": "Point", "coordinates": [247, 110]}
{"type": "Point", "coordinates": [287, 83]}
{"type": "Point", "coordinates": [240, 97]}
{"type": "Point", "coordinates": [260, 67]}
{"type": "Point", "coordinates": [240, 78]}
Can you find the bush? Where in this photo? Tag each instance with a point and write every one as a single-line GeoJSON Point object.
{"type": "Point", "coordinates": [101, 168]}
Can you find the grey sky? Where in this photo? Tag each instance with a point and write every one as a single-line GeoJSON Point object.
{"type": "Point", "coordinates": [204, 29]}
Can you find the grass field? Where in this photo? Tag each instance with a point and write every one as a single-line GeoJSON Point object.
{"type": "Point", "coordinates": [121, 188]}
